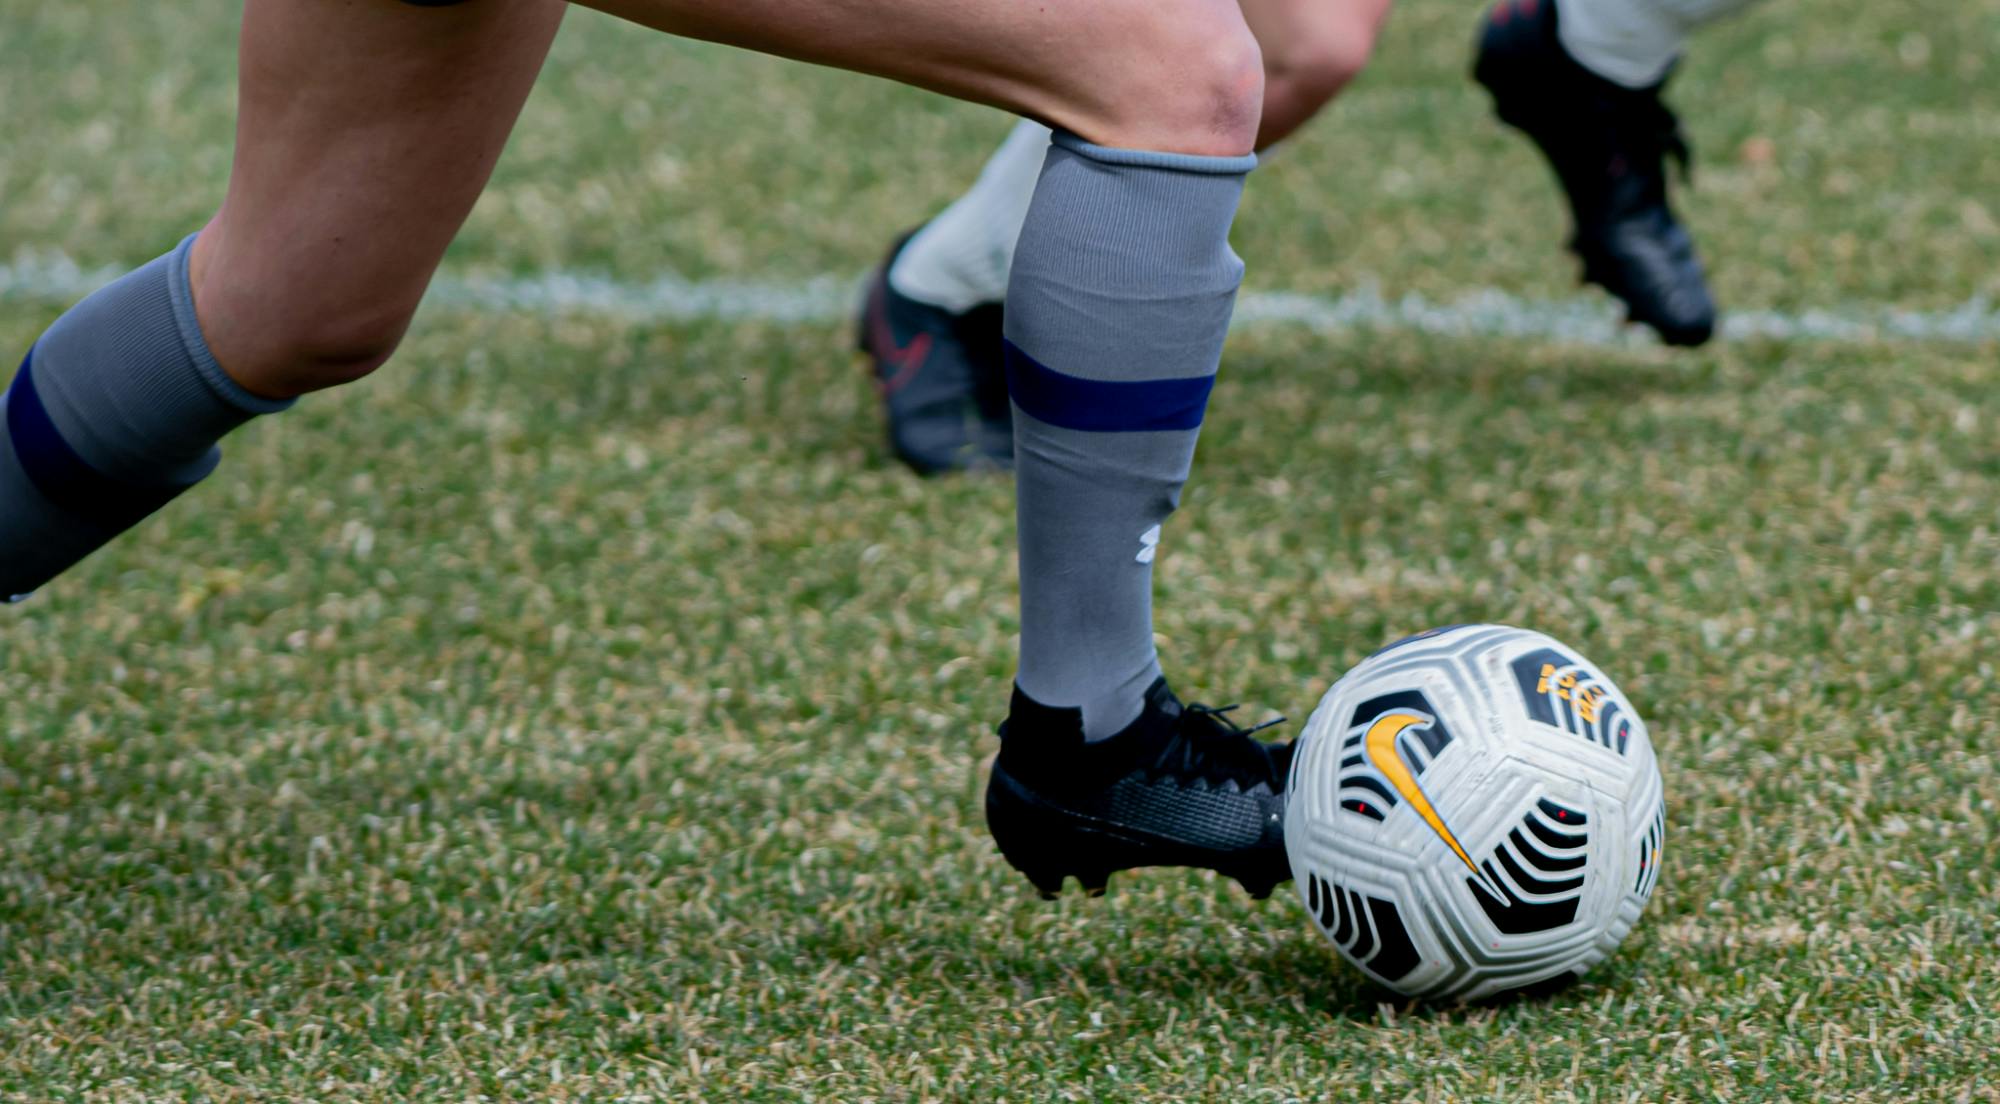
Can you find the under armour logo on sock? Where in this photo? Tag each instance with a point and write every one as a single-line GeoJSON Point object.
{"type": "Point", "coordinates": [1149, 545]}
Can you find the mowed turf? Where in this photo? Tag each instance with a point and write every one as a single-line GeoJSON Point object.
{"type": "Point", "coordinates": [589, 710]}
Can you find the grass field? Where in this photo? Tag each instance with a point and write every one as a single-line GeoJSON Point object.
{"type": "Point", "coordinates": [587, 709]}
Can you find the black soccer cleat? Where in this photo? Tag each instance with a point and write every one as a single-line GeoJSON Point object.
{"type": "Point", "coordinates": [942, 379]}
{"type": "Point", "coordinates": [1608, 146]}
{"type": "Point", "coordinates": [1180, 786]}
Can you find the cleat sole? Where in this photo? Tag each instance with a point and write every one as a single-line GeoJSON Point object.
{"type": "Point", "coordinates": [1049, 846]}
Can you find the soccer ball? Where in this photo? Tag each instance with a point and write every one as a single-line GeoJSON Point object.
{"type": "Point", "coordinates": [1472, 810]}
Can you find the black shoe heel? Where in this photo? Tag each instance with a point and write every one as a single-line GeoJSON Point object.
{"type": "Point", "coordinates": [1024, 849]}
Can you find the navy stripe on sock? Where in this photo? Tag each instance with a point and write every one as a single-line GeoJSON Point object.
{"type": "Point", "coordinates": [1104, 406]}
{"type": "Point", "coordinates": [62, 476]}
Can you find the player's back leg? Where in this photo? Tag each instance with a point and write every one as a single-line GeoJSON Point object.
{"type": "Point", "coordinates": [365, 132]}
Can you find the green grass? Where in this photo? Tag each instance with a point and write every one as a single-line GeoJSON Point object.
{"type": "Point", "coordinates": [588, 710]}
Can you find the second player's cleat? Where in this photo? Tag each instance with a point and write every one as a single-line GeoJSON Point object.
{"type": "Point", "coordinates": [1609, 146]}
{"type": "Point", "coordinates": [941, 377]}
{"type": "Point", "coordinates": [1180, 786]}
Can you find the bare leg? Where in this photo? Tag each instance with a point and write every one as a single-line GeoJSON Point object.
{"type": "Point", "coordinates": [1174, 75]}
{"type": "Point", "coordinates": [1312, 50]}
{"type": "Point", "coordinates": [366, 129]}
{"type": "Point", "coordinates": [366, 132]}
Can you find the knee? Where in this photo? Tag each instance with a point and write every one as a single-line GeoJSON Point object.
{"type": "Point", "coordinates": [1187, 76]}
{"type": "Point", "coordinates": [1322, 52]}
{"type": "Point", "coordinates": [284, 338]}
{"type": "Point", "coordinates": [339, 347]}
{"type": "Point", "coordinates": [293, 353]}
{"type": "Point", "coordinates": [1323, 60]}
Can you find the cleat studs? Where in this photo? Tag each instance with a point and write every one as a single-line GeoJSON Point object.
{"type": "Point", "coordinates": [1259, 889]}
{"type": "Point", "coordinates": [1095, 884]}
{"type": "Point", "coordinates": [1049, 886]}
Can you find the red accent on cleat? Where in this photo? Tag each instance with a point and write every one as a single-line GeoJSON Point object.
{"type": "Point", "coordinates": [908, 359]}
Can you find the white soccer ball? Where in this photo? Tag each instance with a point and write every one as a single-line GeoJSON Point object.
{"type": "Point", "coordinates": [1472, 810]}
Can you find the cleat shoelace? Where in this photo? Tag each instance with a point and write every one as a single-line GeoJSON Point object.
{"type": "Point", "coordinates": [1209, 745]}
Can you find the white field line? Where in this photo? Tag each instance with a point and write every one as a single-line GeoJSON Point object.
{"type": "Point", "coordinates": [54, 279]}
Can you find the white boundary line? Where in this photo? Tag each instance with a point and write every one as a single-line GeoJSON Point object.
{"type": "Point", "coordinates": [1487, 312]}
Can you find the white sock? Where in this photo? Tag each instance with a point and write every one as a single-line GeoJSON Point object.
{"type": "Point", "coordinates": [1633, 42]}
{"type": "Point", "coordinates": [961, 258]}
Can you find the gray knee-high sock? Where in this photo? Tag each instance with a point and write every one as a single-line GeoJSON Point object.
{"type": "Point", "coordinates": [115, 411]}
{"type": "Point", "coordinates": [1122, 289]}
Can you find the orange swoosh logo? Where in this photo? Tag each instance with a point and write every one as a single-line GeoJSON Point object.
{"type": "Point", "coordinates": [1381, 746]}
